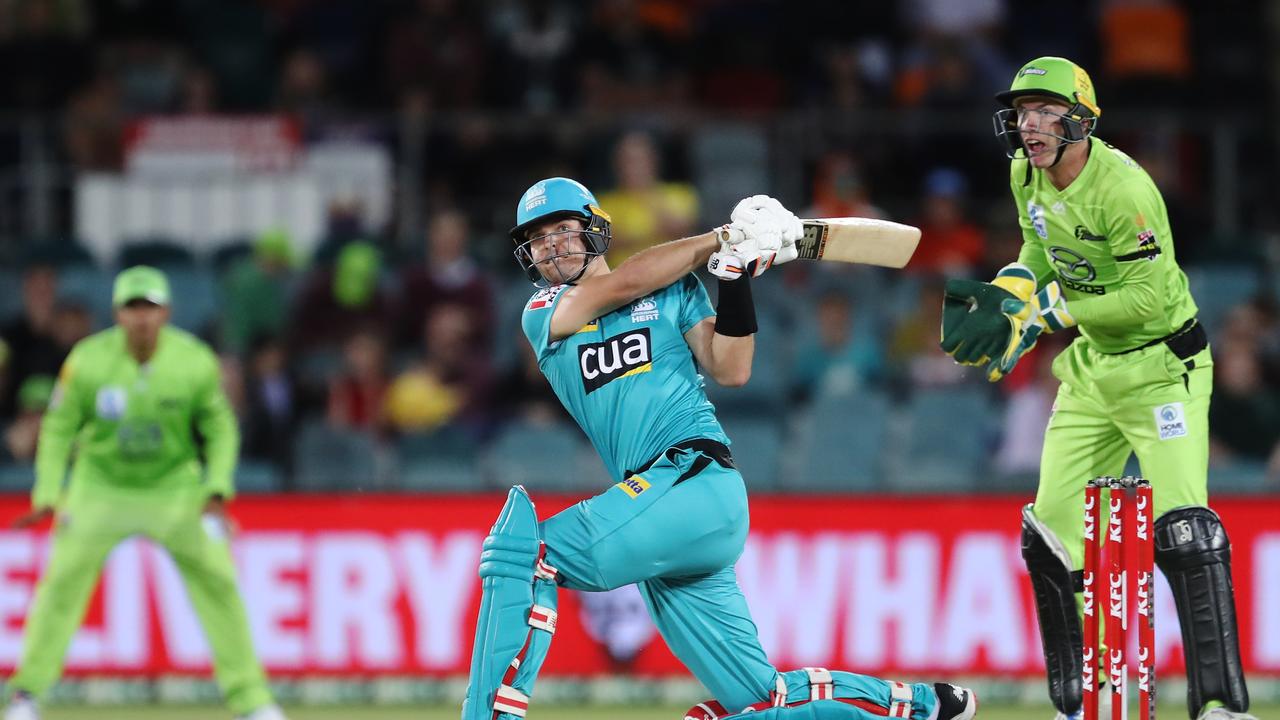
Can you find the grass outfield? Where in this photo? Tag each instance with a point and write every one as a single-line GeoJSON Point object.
{"type": "Point", "coordinates": [184, 712]}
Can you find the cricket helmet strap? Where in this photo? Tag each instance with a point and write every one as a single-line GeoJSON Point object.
{"type": "Point", "coordinates": [551, 199]}
{"type": "Point", "coordinates": [1049, 77]}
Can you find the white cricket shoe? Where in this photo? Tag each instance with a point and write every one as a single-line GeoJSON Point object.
{"type": "Point", "coordinates": [22, 707]}
{"type": "Point", "coordinates": [1221, 713]}
{"type": "Point", "coordinates": [1074, 716]}
{"type": "Point", "coordinates": [266, 712]}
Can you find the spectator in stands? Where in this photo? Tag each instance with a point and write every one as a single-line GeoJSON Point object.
{"type": "Point", "coordinates": [437, 45]}
{"type": "Point", "coordinates": [304, 87]}
{"type": "Point", "coordinates": [94, 123]}
{"type": "Point", "coordinates": [338, 301]}
{"type": "Point", "coordinates": [257, 291]}
{"type": "Point", "coordinates": [535, 40]}
{"type": "Point", "coordinates": [1244, 418]}
{"type": "Point", "coordinates": [855, 75]}
{"type": "Point", "coordinates": [524, 394]}
{"type": "Point", "coordinates": [271, 404]}
{"type": "Point", "coordinates": [358, 392]}
{"type": "Point", "coordinates": [72, 323]}
{"type": "Point", "coordinates": [150, 70]}
{"type": "Point", "coordinates": [630, 62]}
{"type": "Point", "coordinates": [30, 337]}
{"type": "Point", "coordinates": [43, 60]}
{"type": "Point", "coordinates": [645, 209]}
{"type": "Point", "coordinates": [950, 243]}
{"type": "Point", "coordinates": [21, 436]}
{"type": "Point", "coordinates": [1029, 390]}
{"type": "Point", "coordinates": [1145, 50]}
{"type": "Point", "coordinates": [914, 356]}
{"type": "Point", "coordinates": [836, 362]}
{"type": "Point", "coordinates": [199, 95]}
{"type": "Point", "coordinates": [452, 382]}
{"type": "Point", "coordinates": [840, 188]}
{"type": "Point", "coordinates": [448, 274]}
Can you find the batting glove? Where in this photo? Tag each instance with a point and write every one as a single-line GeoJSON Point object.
{"type": "Point", "coordinates": [732, 262]}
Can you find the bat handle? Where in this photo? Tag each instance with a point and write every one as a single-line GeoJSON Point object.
{"type": "Point", "coordinates": [729, 235]}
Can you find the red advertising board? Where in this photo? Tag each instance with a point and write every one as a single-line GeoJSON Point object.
{"type": "Point", "coordinates": [374, 585]}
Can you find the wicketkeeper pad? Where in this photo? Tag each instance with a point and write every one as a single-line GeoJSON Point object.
{"type": "Point", "coordinates": [517, 613]}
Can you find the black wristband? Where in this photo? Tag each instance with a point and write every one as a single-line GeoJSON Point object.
{"type": "Point", "coordinates": [735, 310]}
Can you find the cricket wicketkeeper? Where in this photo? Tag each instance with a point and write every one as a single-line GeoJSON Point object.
{"type": "Point", "coordinates": [130, 401]}
{"type": "Point", "coordinates": [1098, 254]}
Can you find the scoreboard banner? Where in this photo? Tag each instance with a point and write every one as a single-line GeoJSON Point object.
{"type": "Point", "coordinates": [386, 585]}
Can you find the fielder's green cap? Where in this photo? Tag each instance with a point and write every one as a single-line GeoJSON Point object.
{"type": "Point", "coordinates": [1057, 78]}
{"type": "Point", "coordinates": [140, 282]}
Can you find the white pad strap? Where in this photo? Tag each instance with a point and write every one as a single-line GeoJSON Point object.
{"type": "Point", "coordinates": [899, 700]}
{"type": "Point", "coordinates": [543, 618]}
{"type": "Point", "coordinates": [779, 698]}
{"type": "Point", "coordinates": [543, 570]}
{"type": "Point", "coordinates": [821, 686]}
{"type": "Point", "coordinates": [511, 700]}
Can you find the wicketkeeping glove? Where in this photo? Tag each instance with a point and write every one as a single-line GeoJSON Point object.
{"type": "Point", "coordinates": [1045, 312]}
{"type": "Point", "coordinates": [975, 327]}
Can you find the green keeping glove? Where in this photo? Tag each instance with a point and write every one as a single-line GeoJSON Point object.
{"type": "Point", "coordinates": [975, 327]}
{"type": "Point", "coordinates": [1046, 312]}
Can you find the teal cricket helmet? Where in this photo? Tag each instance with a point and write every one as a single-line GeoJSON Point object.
{"type": "Point", "coordinates": [551, 199]}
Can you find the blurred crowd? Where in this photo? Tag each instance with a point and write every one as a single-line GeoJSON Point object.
{"type": "Point", "coordinates": [387, 339]}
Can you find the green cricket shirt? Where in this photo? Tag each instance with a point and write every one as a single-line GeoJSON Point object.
{"type": "Point", "coordinates": [138, 426]}
{"type": "Point", "coordinates": [1106, 239]}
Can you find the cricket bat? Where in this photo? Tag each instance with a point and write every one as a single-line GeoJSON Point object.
{"type": "Point", "coordinates": [865, 241]}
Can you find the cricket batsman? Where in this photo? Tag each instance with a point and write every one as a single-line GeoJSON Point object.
{"type": "Point", "coordinates": [623, 350]}
{"type": "Point", "coordinates": [131, 400]}
{"type": "Point", "coordinates": [1098, 254]}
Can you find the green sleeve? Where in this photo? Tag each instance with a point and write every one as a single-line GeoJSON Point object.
{"type": "Point", "coordinates": [1032, 254]}
{"type": "Point", "coordinates": [217, 425]}
{"type": "Point", "coordinates": [58, 429]}
{"type": "Point", "coordinates": [1134, 214]}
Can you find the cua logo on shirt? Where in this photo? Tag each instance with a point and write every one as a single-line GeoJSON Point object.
{"type": "Point", "coordinates": [601, 363]}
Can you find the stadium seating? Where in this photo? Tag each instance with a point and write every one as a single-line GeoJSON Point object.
{"type": "Point", "coordinates": [90, 286]}
{"type": "Point", "coordinates": [256, 476]}
{"type": "Point", "coordinates": [195, 297]}
{"type": "Point", "coordinates": [334, 460]}
{"type": "Point", "coordinates": [16, 478]}
{"type": "Point", "coordinates": [443, 460]}
{"type": "Point", "coordinates": [946, 439]}
{"type": "Point", "coordinates": [10, 293]}
{"type": "Point", "coordinates": [158, 252]}
{"type": "Point", "coordinates": [1219, 287]}
{"type": "Point", "coordinates": [730, 162]}
{"type": "Point", "coordinates": [539, 456]}
{"type": "Point", "coordinates": [839, 444]}
{"type": "Point", "coordinates": [756, 444]}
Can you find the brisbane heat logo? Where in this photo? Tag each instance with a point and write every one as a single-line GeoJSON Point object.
{"type": "Point", "coordinates": [601, 363]}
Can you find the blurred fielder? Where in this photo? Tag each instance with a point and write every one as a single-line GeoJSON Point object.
{"type": "Point", "coordinates": [130, 399]}
{"type": "Point", "coordinates": [1097, 253]}
{"type": "Point", "coordinates": [622, 349]}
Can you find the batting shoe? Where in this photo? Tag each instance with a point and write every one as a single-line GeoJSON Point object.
{"type": "Point", "coordinates": [955, 702]}
{"type": "Point", "coordinates": [22, 707]}
{"type": "Point", "coordinates": [266, 712]}
{"type": "Point", "coordinates": [1221, 713]}
{"type": "Point", "coordinates": [1073, 716]}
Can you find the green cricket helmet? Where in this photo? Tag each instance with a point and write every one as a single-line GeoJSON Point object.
{"type": "Point", "coordinates": [1049, 77]}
